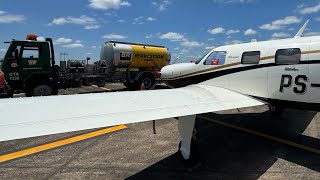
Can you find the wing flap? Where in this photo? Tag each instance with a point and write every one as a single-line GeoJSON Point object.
{"type": "Point", "coordinates": [37, 116]}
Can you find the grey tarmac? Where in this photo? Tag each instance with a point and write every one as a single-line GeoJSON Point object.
{"type": "Point", "coordinates": [137, 153]}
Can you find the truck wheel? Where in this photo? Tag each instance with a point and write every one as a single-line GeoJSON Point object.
{"type": "Point", "coordinates": [130, 86]}
{"type": "Point", "coordinates": [55, 91]}
{"type": "Point", "coordinates": [42, 90]}
{"type": "Point", "coordinates": [10, 93]}
{"type": "Point", "coordinates": [147, 80]}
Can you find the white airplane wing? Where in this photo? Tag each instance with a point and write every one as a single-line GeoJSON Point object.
{"type": "Point", "coordinates": [37, 116]}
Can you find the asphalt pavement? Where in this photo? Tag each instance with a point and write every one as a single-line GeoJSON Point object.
{"type": "Point", "coordinates": [248, 143]}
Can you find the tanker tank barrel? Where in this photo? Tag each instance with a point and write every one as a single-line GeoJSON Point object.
{"type": "Point", "coordinates": [130, 43]}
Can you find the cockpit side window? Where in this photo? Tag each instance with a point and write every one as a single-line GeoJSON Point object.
{"type": "Point", "coordinates": [216, 58]}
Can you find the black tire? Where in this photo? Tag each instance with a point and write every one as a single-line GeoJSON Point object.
{"type": "Point", "coordinates": [131, 86]}
{"type": "Point", "coordinates": [10, 93]}
{"type": "Point", "coordinates": [194, 157]}
{"type": "Point", "coordinates": [55, 91]}
{"type": "Point", "coordinates": [28, 91]}
{"type": "Point", "coordinates": [147, 79]}
{"type": "Point", "coordinates": [41, 89]}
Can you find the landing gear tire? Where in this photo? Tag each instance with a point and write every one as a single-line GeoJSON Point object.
{"type": "Point", "coordinates": [194, 154]}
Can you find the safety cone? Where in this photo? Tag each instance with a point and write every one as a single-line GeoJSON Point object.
{"type": "Point", "coordinates": [142, 87]}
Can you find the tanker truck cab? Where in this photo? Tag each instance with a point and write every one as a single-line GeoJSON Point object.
{"type": "Point", "coordinates": [28, 67]}
{"type": "Point", "coordinates": [134, 64]}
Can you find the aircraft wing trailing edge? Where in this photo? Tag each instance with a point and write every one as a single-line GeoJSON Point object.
{"type": "Point", "coordinates": [37, 116]}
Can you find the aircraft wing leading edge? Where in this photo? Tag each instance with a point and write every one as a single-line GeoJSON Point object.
{"type": "Point", "coordinates": [37, 116]}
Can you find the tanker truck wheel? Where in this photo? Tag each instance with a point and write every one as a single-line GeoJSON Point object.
{"type": "Point", "coordinates": [130, 86]}
{"type": "Point", "coordinates": [147, 80]}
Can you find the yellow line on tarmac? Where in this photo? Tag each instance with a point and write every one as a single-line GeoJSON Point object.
{"type": "Point", "coordinates": [56, 144]}
{"type": "Point", "coordinates": [101, 88]}
{"type": "Point", "coordinates": [284, 141]}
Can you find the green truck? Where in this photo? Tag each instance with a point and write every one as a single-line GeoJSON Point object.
{"type": "Point", "coordinates": [29, 67]}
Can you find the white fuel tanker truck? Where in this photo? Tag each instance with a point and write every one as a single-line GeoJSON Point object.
{"type": "Point", "coordinates": [133, 63]}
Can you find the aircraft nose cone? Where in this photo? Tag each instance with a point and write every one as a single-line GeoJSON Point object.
{"type": "Point", "coordinates": [166, 72]}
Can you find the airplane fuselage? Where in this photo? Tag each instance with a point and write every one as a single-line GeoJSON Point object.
{"type": "Point", "coordinates": [282, 72]}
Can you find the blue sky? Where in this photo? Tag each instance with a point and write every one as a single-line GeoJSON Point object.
{"type": "Point", "coordinates": [189, 28]}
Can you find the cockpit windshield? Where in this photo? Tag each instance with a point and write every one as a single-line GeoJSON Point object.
{"type": "Point", "coordinates": [197, 61]}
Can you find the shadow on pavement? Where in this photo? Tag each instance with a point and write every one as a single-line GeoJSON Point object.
{"type": "Point", "coordinates": [229, 153]}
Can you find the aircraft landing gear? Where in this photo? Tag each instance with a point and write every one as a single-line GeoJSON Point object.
{"type": "Point", "coordinates": [188, 147]}
{"type": "Point", "coordinates": [194, 154]}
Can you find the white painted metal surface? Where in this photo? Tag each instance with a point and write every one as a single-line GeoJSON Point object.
{"type": "Point", "coordinates": [185, 126]}
{"type": "Point", "coordinates": [36, 116]}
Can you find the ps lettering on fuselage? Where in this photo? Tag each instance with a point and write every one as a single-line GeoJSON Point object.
{"type": "Point", "coordinates": [299, 83]}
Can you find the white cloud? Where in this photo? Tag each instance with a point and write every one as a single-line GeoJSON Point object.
{"type": "Point", "coordinates": [232, 1]}
{"type": "Point", "coordinates": [209, 47]}
{"type": "Point", "coordinates": [86, 21]}
{"type": "Point", "coordinates": [211, 39]}
{"type": "Point", "coordinates": [93, 47]}
{"type": "Point", "coordinates": [280, 35]}
{"type": "Point", "coordinates": [162, 6]}
{"type": "Point", "coordinates": [312, 34]}
{"type": "Point", "coordinates": [172, 36]}
{"type": "Point", "coordinates": [107, 4]}
{"type": "Point", "coordinates": [114, 36]}
{"type": "Point", "coordinates": [138, 20]}
{"type": "Point", "coordinates": [63, 40]}
{"type": "Point", "coordinates": [92, 27]}
{"type": "Point", "coordinates": [142, 19]}
{"type": "Point", "coordinates": [3, 50]}
{"type": "Point", "coordinates": [82, 20]}
{"type": "Point", "coordinates": [280, 23]}
{"type": "Point", "coordinates": [287, 20]}
{"type": "Point", "coordinates": [232, 42]}
{"type": "Point", "coordinates": [232, 31]}
{"type": "Point", "coordinates": [74, 45]}
{"type": "Point", "coordinates": [309, 10]}
{"type": "Point", "coordinates": [291, 29]}
{"type": "Point", "coordinates": [217, 30]}
{"type": "Point", "coordinates": [188, 43]}
{"type": "Point", "coordinates": [122, 21]}
{"type": "Point", "coordinates": [151, 19]}
{"type": "Point", "coordinates": [149, 36]}
{"type": "Point", "coordinates": [10, 18]}
{"type": "Point", "coordinates": [112, 13]}
{"type": "Point", "coordinates": [184, 51]}
{"type": "Point", "coordinates": [249, 32]}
